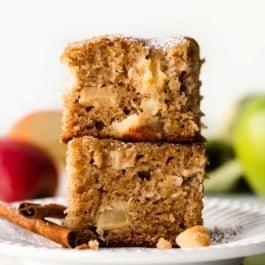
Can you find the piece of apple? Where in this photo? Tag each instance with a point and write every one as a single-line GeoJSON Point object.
{"type": "Point", "coordinates": [26, 172]}
{"type": "Point", "coordinates": [42, 128]}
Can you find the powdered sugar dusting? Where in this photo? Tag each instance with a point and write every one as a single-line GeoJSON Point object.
{"type": "Point", "coordinates": [164, 43]}
{"type": "Point", "coordinates": [223, 235]}
{"type": "Point", "coordinates": [157, 43]}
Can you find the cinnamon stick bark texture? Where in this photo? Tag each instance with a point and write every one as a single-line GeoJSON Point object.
{"type": "Point", "coordinates": [48, 229]}
{"type": "Point", "coordinates": [39, 211]}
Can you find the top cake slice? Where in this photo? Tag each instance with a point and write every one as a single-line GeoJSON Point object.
{"type": "Point", "coordinates": [133, 89]}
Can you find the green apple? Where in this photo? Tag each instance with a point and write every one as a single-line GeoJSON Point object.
{"type": "Point", "coordinates": [224, 171]}
{"type": "Point", "coordinates": [230, 116]}
{"type": "Point", "coordinates": [249, 142]}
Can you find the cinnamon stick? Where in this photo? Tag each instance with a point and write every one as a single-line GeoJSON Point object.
{"type": "Point", "coordinates": [39, 211]}
{"type": "Point", "coordinates": [48, 229]}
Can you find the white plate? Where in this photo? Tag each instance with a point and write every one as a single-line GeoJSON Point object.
{"type": "Point", "coordinates": [243, 224]}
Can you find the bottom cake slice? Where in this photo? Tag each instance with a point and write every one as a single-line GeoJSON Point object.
{"type": "Point", "coordinates": [133, 194]}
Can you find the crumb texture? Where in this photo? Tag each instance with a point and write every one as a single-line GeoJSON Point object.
{"type": "Point", "coordinates": [196, 236]}
{"type": "Point", "coordinates": [133, 89]}
{"type": "Point", "coordinates": [136, 157]}
{"type": "Point", "coordinates": [132, 194]}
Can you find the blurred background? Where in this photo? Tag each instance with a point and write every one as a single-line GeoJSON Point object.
{"type": "Point", "coordinates": [34, 33]}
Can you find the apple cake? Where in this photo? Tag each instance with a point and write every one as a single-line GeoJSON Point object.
{"type": "Point", "coordinates": [133, 89]}
{"type": "Point", "coordinates": [133, 193]}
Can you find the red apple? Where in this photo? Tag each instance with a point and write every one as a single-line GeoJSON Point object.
{"type": "Point", "coordinates": [42, 128]}
{"type": "Point", "coordinates": [26, 172]}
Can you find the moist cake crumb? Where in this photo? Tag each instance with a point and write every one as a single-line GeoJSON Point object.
{"type": "Point", "coordinates": [133, 89]}
{"type": "Point", "coordinates": [132, 194]}
{"type": "Point", "coordinates": [163, 244]}
{"type": "Point", "coordinates": [132, 124]}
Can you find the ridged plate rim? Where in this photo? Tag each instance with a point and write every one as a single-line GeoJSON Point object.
{"type": "Point", "coordinates": [248, 217]}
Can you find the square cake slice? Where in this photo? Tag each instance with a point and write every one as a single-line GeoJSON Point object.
{"type": "Point", "coordinates": [133, 89]}
{"type": "Point", "coordinates": [132, 194]}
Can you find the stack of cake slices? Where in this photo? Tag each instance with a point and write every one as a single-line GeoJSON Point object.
{"type": "Point", "coordinates": [132, 123]}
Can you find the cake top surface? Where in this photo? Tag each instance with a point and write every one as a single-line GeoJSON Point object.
{"type": "Point", "coordinates": [156, 42]}
{"type": "Point", "coordinates": [163, 43]}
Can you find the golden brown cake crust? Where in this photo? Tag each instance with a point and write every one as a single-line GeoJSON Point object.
{"type": "Point", "coordinates": [154, 190]}
{"type": "Point", "coordinates": [133, 89]}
